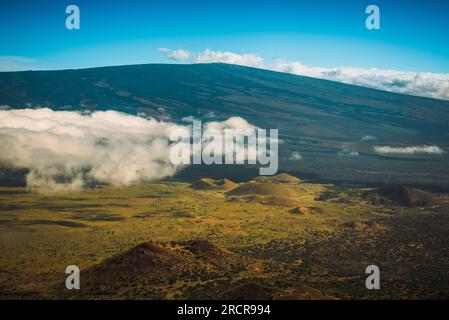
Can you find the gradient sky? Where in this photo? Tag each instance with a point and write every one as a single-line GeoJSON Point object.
{"type": "Point", "coordinates": [328, 33]}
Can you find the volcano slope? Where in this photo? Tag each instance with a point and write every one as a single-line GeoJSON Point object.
{"type": "Point", "coordinates": [335, 127]}
{"type": "Point", "coordinates": [186, 270]}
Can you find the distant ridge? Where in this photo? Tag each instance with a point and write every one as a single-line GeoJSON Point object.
{"type": "Point", "coordinates": [279, 178]}
{"type": "Point", "coordinates": [401, 196]}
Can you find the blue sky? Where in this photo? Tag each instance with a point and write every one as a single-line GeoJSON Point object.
{"type": "Point", "coordinates": [328, 33]}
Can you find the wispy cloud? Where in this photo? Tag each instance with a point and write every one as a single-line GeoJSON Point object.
{"type": "Point", "coordinates": [295, 156]}
{"type": "Point", "coordinates": [176, 55]}
{"type": "Point", "coordinates": [348, 152]}
{"type": "Point", "coordinates": [408, 150]}
{"type": "Point", "coordinates": [16, 63]}
{"type": "Point", "coordinates": [369, 138]}
{"type": "Point", "coordinates": [247, 59]}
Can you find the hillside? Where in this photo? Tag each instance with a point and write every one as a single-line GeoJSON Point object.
{"type": "Point", "coordinates": [211, 184]}
{"type": "Point", "coordinates": [183, 90]}
{"type": "Point", "coordinates": [164, 266]}
{"type": "Point", "coordinates": [400, 195]}
{"type": "Point", "coordinates": [326, 122]}
{"type": "Point", "coordinates": [264, 189]}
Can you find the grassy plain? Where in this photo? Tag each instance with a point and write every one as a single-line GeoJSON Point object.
{"type": "Point", "coordinates": [319, 255]}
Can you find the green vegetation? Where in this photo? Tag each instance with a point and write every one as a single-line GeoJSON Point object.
{"type": "Point", "coordinates": [211, 244]}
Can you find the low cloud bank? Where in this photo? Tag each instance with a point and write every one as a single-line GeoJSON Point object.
{"type": "Point", "coordinates": [67, 150]}
{"type": "Point", "coordinates": [425, 84]}
{"type": "Point", "coordinates": [409, 150]}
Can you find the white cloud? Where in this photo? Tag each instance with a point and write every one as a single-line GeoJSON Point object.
{"type": "Point", "coordinates": [176, 55]}
{"type": "Point", "coordinates": [247, 59]}
{"type": "Point", "coordinates": [408, 150]}
{"type": "Point", "coordinates": [348, 152]}
{"type": "Point", "coordinates": [234, 123]}
{"type": "Point", "coordinates": [108, 147]}
{"type": "Point", "coordinates": [239, 128]}
{"type": "Point", "coordinates": [65, 150]}
{"type": "Point", "coordinates": [421, 84]}
{"type": "Point", "coordinates": [179, 55]}
{"type": "Point", "coordinates": [295, 156]}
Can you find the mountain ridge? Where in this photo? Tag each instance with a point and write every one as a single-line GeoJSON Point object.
{"type": "Point", "coordinates": [325, 121]}
{"type": "Point", "coordinates": [223, 64]}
